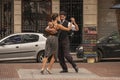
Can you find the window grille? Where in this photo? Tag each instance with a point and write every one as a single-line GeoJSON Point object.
{"type": "Point", "coordinates": [35, 15]}
{"type": "Point", "coordinates": [6, 17]}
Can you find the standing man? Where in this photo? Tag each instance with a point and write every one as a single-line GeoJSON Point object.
{"type": "Point", "coordinates": [63, 50]}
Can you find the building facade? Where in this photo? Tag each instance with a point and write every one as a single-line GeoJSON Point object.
{"type": "Point", "coordinates": [32, 16]}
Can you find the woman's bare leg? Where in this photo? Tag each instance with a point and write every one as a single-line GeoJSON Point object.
{"type": "Point", "coordinates": [45, 59]}
{"type": "Point", "coordinates": [51, 62]}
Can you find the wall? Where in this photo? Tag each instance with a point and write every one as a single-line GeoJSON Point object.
{"type": "Point", "coordinates": [89, 13]}
{"type": "Point", "coordinates": [89, 26]}
{"type": "Point", "coordinates": [17, 16]}
{"type": "Point", "coordinates": [107, 22]}
{"type": "Point", "coordinates": [55, 6]}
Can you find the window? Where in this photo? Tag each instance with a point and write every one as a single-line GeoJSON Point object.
{"type": "Point", "coordinates": [30, 38]}
{"type": "Point", "coordinates": [6, 17]}
{"type": "Point", "coordinates": [35, 15]}
{"type": "Point", "coordinates": [115, 38]}
{"type": "Point", "coordinates": [13, 40]}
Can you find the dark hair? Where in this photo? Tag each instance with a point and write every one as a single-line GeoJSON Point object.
{"type": "Point", "coordinates": [53, 16]}
{"type": "Point", "coordinates": [63, 13]}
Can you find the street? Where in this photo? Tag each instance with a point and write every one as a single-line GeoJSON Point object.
{"type": "Point", "coordinates": [88, 29]}
{"type": "Point", "coordinates": [104, 70]}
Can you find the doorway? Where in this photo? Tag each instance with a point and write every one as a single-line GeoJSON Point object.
{"type": "Point", "coordinates": [74, 8]}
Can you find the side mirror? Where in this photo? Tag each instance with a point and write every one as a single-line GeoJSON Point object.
{"type": "Point", "coordinates": [110, 39]}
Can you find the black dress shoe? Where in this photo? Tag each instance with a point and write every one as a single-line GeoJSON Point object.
{"type": "Point", "coordinates": [64, 71]}
{"type": "Point", "coordinates": [76, 69]}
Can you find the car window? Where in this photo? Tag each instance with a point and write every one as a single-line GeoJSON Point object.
{"type": "Point", "coordinates": [115, 38]}
{"type": "Point", "coordinates": [30, 38]}
{"type": "Point", "coordinates": [16, 39]}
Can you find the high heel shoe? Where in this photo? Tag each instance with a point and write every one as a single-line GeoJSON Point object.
{"type": "Point", "coordinates": [42, 71]}
{"type": "Point", "coordinates": [48, 71]}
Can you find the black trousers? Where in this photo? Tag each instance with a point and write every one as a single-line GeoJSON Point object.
{"type": "Point", "coordinates": [64, 53]}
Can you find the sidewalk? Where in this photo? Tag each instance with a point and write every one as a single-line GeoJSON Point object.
{"type": "Point", "coordinates": [34, 74]}
{"type": "Point", "coordinates": [31, 71]}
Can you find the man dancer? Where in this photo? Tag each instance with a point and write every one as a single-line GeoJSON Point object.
{"type": "Point", "coordinates": [63, 49]}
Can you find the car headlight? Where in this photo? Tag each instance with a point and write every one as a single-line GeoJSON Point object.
{"type": "Point", "coordinates": [81, 48]}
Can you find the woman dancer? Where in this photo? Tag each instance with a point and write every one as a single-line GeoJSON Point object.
{"type": "Point", "coordinates": [51, 48]}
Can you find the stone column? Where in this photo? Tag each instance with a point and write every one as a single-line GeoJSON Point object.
{"type": "Point", "coordinates": [55, 6]}
{"type": "Point", "coordinates": [118, 16]}
{"type": "Point", "coordinates": [89, 29]}
{"type": "Point", "coordinates": [17, 16]}
{"type": "Point", "coordinates": [89, 13]}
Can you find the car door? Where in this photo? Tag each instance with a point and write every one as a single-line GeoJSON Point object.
{"type": "Point", "coordinates": [112, 47]}
{"type": "Point", "coordinates": [115, 40]}
{"type": "Point", "coordinates": [29, 46]}
{"type": "Point", "coordinates": [10, 47]}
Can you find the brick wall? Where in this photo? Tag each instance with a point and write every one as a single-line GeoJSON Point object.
{"type": "Point", "coordinates": [107, 21]}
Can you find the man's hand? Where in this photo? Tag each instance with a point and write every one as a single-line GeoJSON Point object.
{"type": "Point", "coordinates": [70, 26]}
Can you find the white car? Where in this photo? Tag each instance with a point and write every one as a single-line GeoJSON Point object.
{"type": "Point", "coordinates": [21, 46]}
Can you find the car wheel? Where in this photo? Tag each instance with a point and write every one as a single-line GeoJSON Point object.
{"type": "Point", "coordinates": [99, 56]}
{"type": "Point", "coordinates": [40, 56]}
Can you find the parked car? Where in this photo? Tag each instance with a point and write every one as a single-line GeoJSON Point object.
{"type": "Point", "coordinates": [106, 47]}
{"type": "Point", "coordinates": [22, 46]}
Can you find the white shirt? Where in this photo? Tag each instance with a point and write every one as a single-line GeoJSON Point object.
{"type": "Point", "coordinates": [73, 26]}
